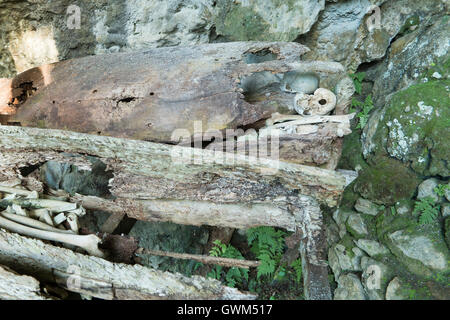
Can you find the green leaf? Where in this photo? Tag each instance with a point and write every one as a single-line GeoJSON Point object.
{"type": "Point", "coordinates": [428, 210]}
{"type": "Point", "coordinates": [440, 189]}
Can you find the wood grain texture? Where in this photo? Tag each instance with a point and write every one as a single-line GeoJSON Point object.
{"type": "Point", "coordinates": [103, 279]}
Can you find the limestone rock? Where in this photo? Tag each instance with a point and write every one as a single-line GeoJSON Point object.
{"type": "Point", "coordinates": [445, 210]}
{"type": "Point", "coordinates": [340, 216]}
{"type": "Point", "coordinates": [367, 207]}
{"type": "Point", "coordinates": [411, 128]}
{"type": "Point", "coordinates": [394, 292]}
{"type": "Point", "coordinates": [426, 189]}
{"type": "Point", "coordinates": [351, 33]}
{"type": "Point", "coordinates": [356, 225]}
{"type": "Point", "coordinates": [105, 27]}
{"type": "Point", "coordinates": [371, 247]}
{"type": "Point", "coordinates": [344, 259]}
{"type": "Point", "coordinates": [423, 251]}
{"type": "Point", "coordinates": [349, 288]}
{"type": "Point", "coordinates": [265, 20]}
{"type": "Point", "coordinates": [375, 278]}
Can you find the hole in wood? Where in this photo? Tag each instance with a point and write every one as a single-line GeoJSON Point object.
{"type": "Point", "coordinates": [259, 56]}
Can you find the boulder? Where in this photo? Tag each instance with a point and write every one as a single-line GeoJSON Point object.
{"type": "Point", "coordinates": [426, 189]}
{"type": "Point", "coordinates": [413, 130]}
{"type": "Point", "coordinates": [367, 207]}
{"type": "Point", "coordinates": [349, 288]}
{"type": "Point", "coordinates": [423, 250]}
{"type": "Point", "coordinates": [343, 259]}
{"type": "Point", "coordinates": [371, 247]}
{"type": "Point", "coordinates": [375, 278]}
{"type": "Point", "coordinates": [356, 225]}
{"type": "Point", "coordinates": [395, 290]}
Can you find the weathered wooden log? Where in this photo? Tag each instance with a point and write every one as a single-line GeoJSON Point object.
{"type": "Point", "coordinates": [147, 95]}
{"type": "Point", "coordinates": [103, 279]}
{"type": "Point", "coordinates": [157, 182]}
{"type": "Point", "coordinates": [149, 171]}
{"type": "Point", "coordinates": [14, 286]}
{"type": "Point", "coordinates": [304, 140]}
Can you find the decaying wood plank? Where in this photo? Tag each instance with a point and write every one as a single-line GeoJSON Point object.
{"type": "Point", "coordinates": [314, 257]}
{"type": "Point", "coordinates": [159, 182]}
{"type": "Point", "coordinates": [103, 279]}
{"type": "Point", "coordinates": [308, 140]}
{"type": "Point", "coordinates": [151, 171]}
{"type": "Point", "coordinates": [147, 95]}
{"type": "Point", "coordinates": [112, 222]}
{"type": "Point", "coordinates": [19, 287]}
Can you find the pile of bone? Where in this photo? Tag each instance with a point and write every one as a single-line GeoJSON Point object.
{"type": "Point", "coordinates": [46, 217]}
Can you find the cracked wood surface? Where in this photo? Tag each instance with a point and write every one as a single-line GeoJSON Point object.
{"type": "Point", "coordinates": [103, 279]}
{"type": "Point", "coordinates": [147, 95]}
{"type": "Point", "coordinates": [151, 184]}
{"type": "Point", "coordinates": [14, 286]}
{"type": "Point", "coordinates": [150, 171]}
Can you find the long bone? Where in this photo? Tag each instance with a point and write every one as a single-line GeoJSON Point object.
{"type": "Point", "coordinates": [87, 242]}
{"type": "Point", "coordinates": [32, 223]}
{"type": "Point", "coordinates": [54, 206]}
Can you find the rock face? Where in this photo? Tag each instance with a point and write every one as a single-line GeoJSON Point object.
{"type": "Point", "coordinates": [351, 33]}
{"type": "Point", "coordinates": [411, 55]}
{"type": "Point", "coordinates": [44, 34]}
{"type": "Point", "coordinates": [265, 20]}
{"type": "Point", "coordinates": [104, 27]}
{"type": "Point", "coordinates": [401, 155]}
{"type": "Point", "coordinates": [413, 128]}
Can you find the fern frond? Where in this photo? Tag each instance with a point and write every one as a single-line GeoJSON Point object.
{"type": "Point", "coordinates": [428, 210]}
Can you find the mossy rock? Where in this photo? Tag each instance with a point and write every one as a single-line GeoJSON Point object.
{"type": "Point", "coordinates": [387, 223]}
{"type": "Point", "coordinates": [408, 289]}
{"type": "Point", "coordinates": [422, 249]}
{"type": "Point", "coordinates": [352, 157]}
{"type": "Point", "coordinates": [386, 181]}
{"type": "Point", "coordinates": [264, 20]}
{"type": "Point", "coordinates": [415, 128]}
{"type": "Point", "coordinates": [447, 231]}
